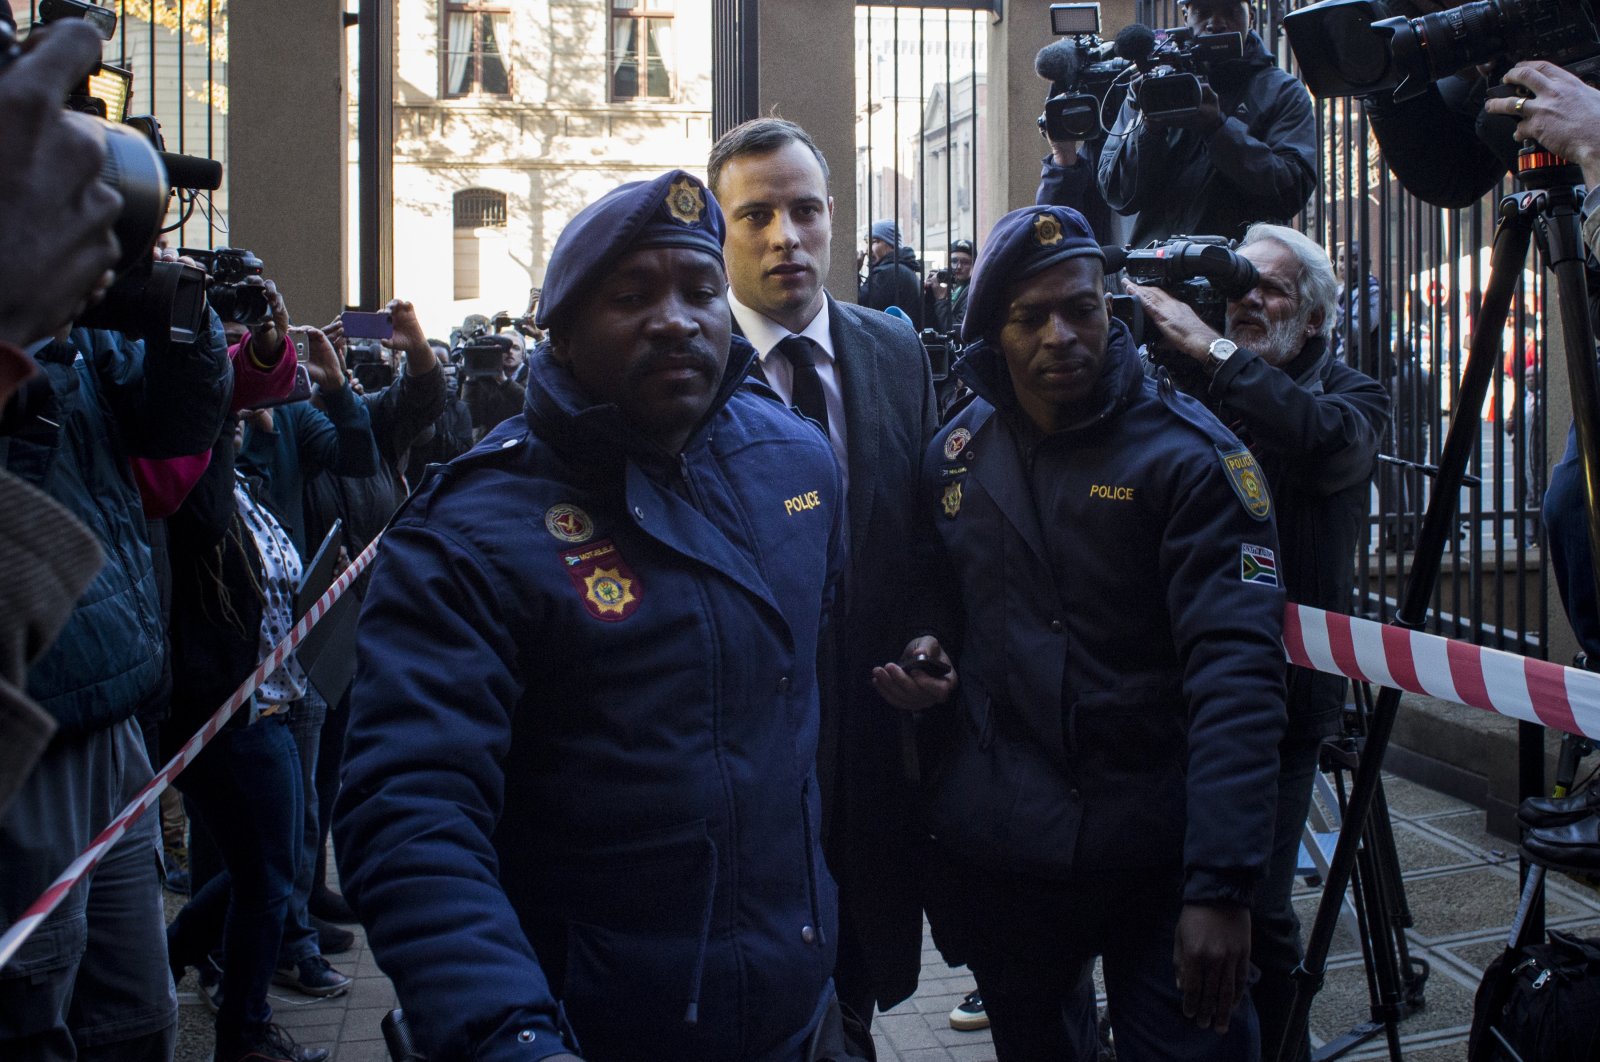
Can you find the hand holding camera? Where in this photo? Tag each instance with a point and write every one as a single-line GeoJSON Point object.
{"type": "Point", "coordinates": [1204, 117]}
{"type": "Point", "coordinates": [327, 370]}
{"type": "Point", "coordinates": [409, 337]}
{"type": "Point", "coordinates": [922, 678]}
{"type": "Point", "coordinates": [1562, 114]}
{"type": "Point", "coordinates": [1180, 328]}
{"type": "Point", "coordinates": [266, 339]}
{"type": "Point", "coordinates": [56, 214]}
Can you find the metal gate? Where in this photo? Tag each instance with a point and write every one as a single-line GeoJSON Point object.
{"type": "Point", "coordinates": [921, 82]}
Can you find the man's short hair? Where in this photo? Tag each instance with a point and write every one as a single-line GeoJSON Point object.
{"type": "Point", "coordinates": [758, 136]}
{"type": "Point", "coordinates": [1319, 286]}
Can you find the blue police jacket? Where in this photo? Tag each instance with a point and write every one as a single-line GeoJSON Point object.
{"type": "Point", "coordinates": [579, 794]}
{"type": "Point", "coordinates": [1120, 614]}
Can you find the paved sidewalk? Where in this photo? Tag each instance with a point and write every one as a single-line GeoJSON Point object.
{"type": "Point", "coordinates": [1460, 882]}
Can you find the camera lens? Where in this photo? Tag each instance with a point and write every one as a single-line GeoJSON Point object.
{"type": "Point", "coordinates": [134, 170]}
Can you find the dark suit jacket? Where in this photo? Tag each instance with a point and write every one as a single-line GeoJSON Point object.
{"type": "Point", "coordinates": [869, 798]}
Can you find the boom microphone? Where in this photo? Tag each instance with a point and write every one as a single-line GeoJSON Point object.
{"type": "Point", "coordinates": [1134, 42]}
{"type": "Point", "coordinates": [1058, 62]}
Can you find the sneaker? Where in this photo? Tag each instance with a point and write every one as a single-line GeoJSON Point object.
{"type": "Point", "coordinates": [332, 939]}
{"type": "Point", "coordinates": [330, 906]}
{"type": "Point", "coordinates": [178, 881]}
{"type": "Point", "coordinates": [268, 1043]}
{"type": "Point", "coordinates": [208, 985]}
{"type": "Point", "coordinates": [312, 976]}
{"type": "Point", "coordinates": [968, 1016]}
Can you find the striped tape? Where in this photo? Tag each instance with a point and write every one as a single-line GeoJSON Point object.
{"type": "Point", "coordinates": [1535, 691]}
{"type": "Point", "coordinates": [147, 797]}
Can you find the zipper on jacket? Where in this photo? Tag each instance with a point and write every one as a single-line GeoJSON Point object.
{"type": "Point", "coordinates": [691, 1013]}
{"type": "Point", "coordinates": [811, 862]}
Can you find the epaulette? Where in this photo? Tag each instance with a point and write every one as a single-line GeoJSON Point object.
{"type": "Point", "coordinates": [437, 477]}
{"type": "Point", "coordinates": [1239, 465]}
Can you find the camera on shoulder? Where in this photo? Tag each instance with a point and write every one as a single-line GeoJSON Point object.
{"type": "Point", "coordinates": [1202, 271]}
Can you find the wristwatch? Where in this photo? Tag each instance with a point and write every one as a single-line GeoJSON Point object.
{"type": "Point", "coordinates": [1218, 352]}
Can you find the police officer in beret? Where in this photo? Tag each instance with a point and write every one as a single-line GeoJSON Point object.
{"type": "Point", "coordinates": [1108, 555]}
{"type": "Point", "coordinates": [579, 814]}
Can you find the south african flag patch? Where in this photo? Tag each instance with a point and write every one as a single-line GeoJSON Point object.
{"type": "Point", "coordinates": [1257, 565]}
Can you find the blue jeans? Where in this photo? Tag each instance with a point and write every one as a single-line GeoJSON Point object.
{"type": "Point", "coordinates": [306, 717]}
{"type": "Point", "coordinates": [245, 791]}
{"type": "Point", "coordinates": [92, 982]}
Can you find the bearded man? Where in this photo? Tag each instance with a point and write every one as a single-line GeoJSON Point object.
{"type": "Point", "coordinates": [1314, 425]}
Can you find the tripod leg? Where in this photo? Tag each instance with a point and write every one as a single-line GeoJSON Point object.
{"type": "Point", "coordinates": [1512, 235]}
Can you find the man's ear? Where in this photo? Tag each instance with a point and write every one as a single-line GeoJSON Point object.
{"type": "Point", "coordinates": [560, 352]}
{"type": "Point", "coordinates": [1314, 322]}
{"type": "Point", "coordinates": [830, 208]}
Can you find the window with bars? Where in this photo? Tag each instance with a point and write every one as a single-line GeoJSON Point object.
{"type": "Point", "coordinates": [475, 210]}
{"type": "Point", "coordinates": [642, 54]}
{"type": "Point", "coordinates": [473, 50]}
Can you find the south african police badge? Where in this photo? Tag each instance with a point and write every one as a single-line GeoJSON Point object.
{"type": "Point", "coordinates": [956, 442]}
{"type": "Point", "coordinates": [609, 589]}
{"type": "Point", "coordinates": [952, 500]}
{"type": "Point", "coordinates": [685, 202]}
{"type": "Point", "coordinates": [1047, 230]}
{"type": "Point", "coordinates": [1248, 483]}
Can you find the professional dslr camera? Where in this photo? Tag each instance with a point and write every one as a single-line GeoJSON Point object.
{"type": "Point", "coordinates": [149, 298]}
{"type": "Point", "coordinates": [1360, 48]}
{"type": "Point", "coordinates": [1082, 71]}
{"type": "Point", "coordinates": [1202, 271]}
{"type": "Point", "coordinates": [234, 286]}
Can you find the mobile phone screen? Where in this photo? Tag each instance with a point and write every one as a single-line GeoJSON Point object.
{"type": "Point", "coordinates": [359, 324]}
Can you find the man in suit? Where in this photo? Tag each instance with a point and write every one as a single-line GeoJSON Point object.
{"type": "Point", "coordinates": [863, 377]}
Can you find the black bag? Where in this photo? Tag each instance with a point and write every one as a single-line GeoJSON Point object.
{"type": "Point", "coordinates": [1544, 999]}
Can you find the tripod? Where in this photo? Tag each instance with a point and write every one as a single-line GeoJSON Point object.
{"type": "Point", "coordinates": [1547, 202]}
{"type": "Point", "coordinates": [1395, 980]}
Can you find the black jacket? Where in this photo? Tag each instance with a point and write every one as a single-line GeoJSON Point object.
{"type": "Point", "coordinates": [1121, 694]}
{"type": "Point", "coordinates": [1261, 165]}
{"type": "Point", "coordinates": [1078, 187]}
{"type": "Point", "coordinates": [1316, 426]}
{"type": "Point", "coordinates": [895, 281]}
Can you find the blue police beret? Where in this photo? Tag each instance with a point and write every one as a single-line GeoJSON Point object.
{"type": "Point", "coordinates": [1024, 242]}
{"type": "Point", "coordinates": [673, 210]}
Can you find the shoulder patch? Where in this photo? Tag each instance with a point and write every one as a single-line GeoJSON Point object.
{"type": "Point", "coordinates": [1257, 564]}
{"type": "Point", "coordinates": [1248, 483]}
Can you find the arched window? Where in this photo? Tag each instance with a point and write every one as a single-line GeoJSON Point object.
{"type": "Point", "coordinates": [475, 210]}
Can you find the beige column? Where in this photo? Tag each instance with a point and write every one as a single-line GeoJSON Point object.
{"type": "Point", "coordinates": [1009, 175]}
{"type": "Point", "coordinates": [807, 64]}
{"type": "Point", "coordinates": [287, 150]}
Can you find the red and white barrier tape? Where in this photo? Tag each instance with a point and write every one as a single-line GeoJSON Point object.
{"type": "Point", "coordinates": [146, 798]}
{"type": "Point", "coordinates": [1535, 691]}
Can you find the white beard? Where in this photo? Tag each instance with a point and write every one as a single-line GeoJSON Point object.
{"type": "Point", "coordinates": [1282, 342]}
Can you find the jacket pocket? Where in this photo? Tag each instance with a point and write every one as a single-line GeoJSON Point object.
{"type": "Point", "coordinates": [1128, 751]}
{"type": "Point", "coordinates": [638, 930]}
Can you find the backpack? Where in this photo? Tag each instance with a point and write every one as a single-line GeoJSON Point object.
{"type": "Point", "coordinates": [1544, 999]}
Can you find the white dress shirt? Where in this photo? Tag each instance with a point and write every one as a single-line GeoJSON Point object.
{"type": "Point", "coordinates": [765, 334]}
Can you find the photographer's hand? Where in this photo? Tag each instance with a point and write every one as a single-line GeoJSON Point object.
{"type": "Point", "coordinates": [1211, 953]}
{"type": "Point", "coordinates": [1206, 119]}
{"type": "Point", "coordinates": [267, 338]}
{"type": "Point", "coordinates": [56, 214]}
{"type": "Point", "coordinates": [1563, 115]}
{"type": "Point", "coordinates": [1180, 327]}
{"type": "Point", "coordinates": [325, 367]}
{"type": "Point", "coordinates": [409, 337]}
{"type": "Point", "coordinates": [1064, 153]}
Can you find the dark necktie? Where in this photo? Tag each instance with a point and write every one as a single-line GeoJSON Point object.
{"type": "Point", "coordinates": [808, 397]}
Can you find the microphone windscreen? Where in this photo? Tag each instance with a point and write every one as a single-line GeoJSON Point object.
{"type": "Point", "coordinates": [1135, 42]}
{"type": "Point", "coordinates": [192, 171]}
{"type": "Point", "coordinates": [1115, 257]}
{"type": "Point", "coordinates": [1057, 62]}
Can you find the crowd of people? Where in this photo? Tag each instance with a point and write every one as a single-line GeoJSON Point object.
{"type": "Point", "coordinates": [707, 650]}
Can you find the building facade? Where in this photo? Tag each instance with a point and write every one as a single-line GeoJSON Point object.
{"type": "Point", "coordinates": [510, 116]}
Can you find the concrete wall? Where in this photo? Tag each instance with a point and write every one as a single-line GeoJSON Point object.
{"type": "Point", "coordinates": [286, 148]}
{"type": "Point", "coordinates": [806, 56]}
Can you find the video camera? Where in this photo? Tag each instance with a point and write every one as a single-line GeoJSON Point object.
{"type": "Point", "coordinates": [1357, 48]}
{"type": "Point", "coordinates": [149, 298]}
{"type": "Point", "coordinates": [484, 346]}
{"type": "Point", "coordinates": [1202, 271]}
{"type": "Point", "coordinates": [364, 359]}
{"type": "Point", "coordinates": [943, 351]}
{"type": "Point", "coordinates": [1174, 63]}
{"type": "Point", "coordinates": [1082, 73]}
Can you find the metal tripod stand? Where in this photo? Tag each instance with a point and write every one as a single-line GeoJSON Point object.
{"type": "Point", "coordinates": [1395, 979]}
{"type": "Point", "coordinates": [1547, 202]}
